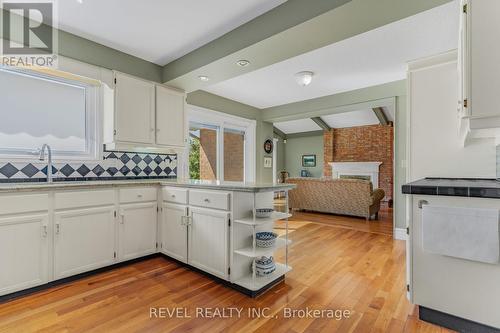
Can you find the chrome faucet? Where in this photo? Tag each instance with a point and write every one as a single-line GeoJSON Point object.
{"type": "Point", "coordinates": [49, 162]}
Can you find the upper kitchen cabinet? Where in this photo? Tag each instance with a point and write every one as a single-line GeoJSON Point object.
{"type": "Point", "coordinates": [143, 116]}
{"type": "Point", "coordinates": [134, 110]}
{"type": "Point", "coordinates": [479, 68]}
{"type": "Point", "coordinates": [169, 116]}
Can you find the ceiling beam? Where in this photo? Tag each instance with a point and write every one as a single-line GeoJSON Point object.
{"type": "Point", "coordinates": [304, 134]}
{"type": "Point", "coordinates": [279, 133]}
{"type": "Point", "coordinates": [321, 123]}
{"type": "Point", "coordinates": [272, 37]}
{"type": "Point", "coordinates": [382, 118]}
{"type": "Point", "coordinates": [360, 99]}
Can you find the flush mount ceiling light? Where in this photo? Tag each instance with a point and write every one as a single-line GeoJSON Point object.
{"type": "Point", "coordinates": [203, 78]}
{"type": "Point", "coordinates": [243, 63]}
{"type": "Point", "coordinates": [304, 78]}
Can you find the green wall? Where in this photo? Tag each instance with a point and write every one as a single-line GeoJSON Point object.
{"type": "Point", "coordinates": [295, 147]}
{"type": "Point", "coordinates": [280, 154]}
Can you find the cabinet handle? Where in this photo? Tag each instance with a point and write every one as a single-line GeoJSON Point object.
{"type": "Point", "coordinates": [207, 200]}
{"type": "Point", "coordinates": [422, 203]}
{"type": "Point", "coordinates": [44, 231]}
{"type": "Point", "coordinates": [173, 195]}
{"type": "Point", "coordinates": [189, 220]}
{"type": "Point", "coordinates": [58, 228]}
{"type": "Point", "coordinates": [139, 195]}
{"type": "Point", "coordinates": [152, 129]}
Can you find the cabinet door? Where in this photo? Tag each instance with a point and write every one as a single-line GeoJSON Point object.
{"type": "Point", "coordinates": [23, 252]}
{"type": "Point", "coordinates": [137, 231]}
{"type": "Point", "coordinates": [84, 239]}
{"type": "Point", "coordinates": [169, 117]}
{"type": "Point", "coordinates": [483, 29]}
{"type": "Point", "coordinates": [134, 109]}
{"type": "Point", "coordinates": [463, 59]}
{"type": "Point", "coordinates": [174, 231]}
{"type": "Point", "coordinates": [208, 241]}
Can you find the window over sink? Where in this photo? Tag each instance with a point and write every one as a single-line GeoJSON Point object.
{"type": "Point", "coordinates": [39, 107]}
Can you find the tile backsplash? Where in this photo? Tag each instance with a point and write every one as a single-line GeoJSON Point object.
{"type": "Point", "coordinates": [114, 165]}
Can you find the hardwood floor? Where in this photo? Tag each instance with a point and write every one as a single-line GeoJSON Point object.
{"type": "Point", "coordinates": [383, 225]}
{"type": "Point", "coordinates": [335, 268]}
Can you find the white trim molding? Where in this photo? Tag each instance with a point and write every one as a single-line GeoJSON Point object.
{"type": "Point", "coordinates": [400, 234]}
{"type": "Point", "coordinates": [221, 121]}
{"type": "Point", "coordinates": [370, 169]}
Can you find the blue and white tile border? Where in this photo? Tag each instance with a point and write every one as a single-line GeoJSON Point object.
{"type": "Point", "coordinates": [115, 165]}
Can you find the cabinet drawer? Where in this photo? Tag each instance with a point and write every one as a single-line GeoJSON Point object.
{"type": "Point", "coordinates": [209, 199]}
{"type": "Point", "coordinates": [138, 194]}
{"type": "Point", "coordinates": [16, 204]}
{"type": "Point", "coordinates": [77, 199]}
{"type": "Point", "coordinates": [175, 195]}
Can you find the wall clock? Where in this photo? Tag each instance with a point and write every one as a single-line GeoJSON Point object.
{"type": "Point", "coordinates": [268, 146]}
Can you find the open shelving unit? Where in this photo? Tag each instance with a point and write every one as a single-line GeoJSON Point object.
{"type": "Point", "coordinates": [244, 250]}
{"type": "Point", "coordinates": [275, 216]}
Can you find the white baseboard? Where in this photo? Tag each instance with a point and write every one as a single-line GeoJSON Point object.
{"type": "Point", "coordinates": [400, 233]}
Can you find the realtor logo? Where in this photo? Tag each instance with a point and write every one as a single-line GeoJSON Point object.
{"type": "Point", "coordinates": [29, 33]}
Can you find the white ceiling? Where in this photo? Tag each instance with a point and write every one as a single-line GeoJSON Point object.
{"type": "Point", "coordinates": [338, 120]}
{"type": "Point", "coordinates": [297, 126]}
{"type": "Point", "coordinates": [157, 30]}
{"type": "Point", "coordinates": [351, 119]}
{"type": "Point", "coordinates": [375, 57]}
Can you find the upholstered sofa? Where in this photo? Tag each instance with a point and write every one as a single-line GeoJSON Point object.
{"type": "Point", "coordinates": [338, 196]}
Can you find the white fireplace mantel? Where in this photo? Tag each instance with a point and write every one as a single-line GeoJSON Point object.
{"type": "Point", "coordinates": [370, 169]}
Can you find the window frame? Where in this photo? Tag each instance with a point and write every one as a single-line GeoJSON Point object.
{"type": "Point", "coordinates": [93, 113]}
{"type": "Point", "coordinates": [222, 121]}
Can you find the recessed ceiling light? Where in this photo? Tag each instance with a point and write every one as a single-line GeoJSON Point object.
{"type": "Point", "coordinates": [79, 1]}
{"type": "Point", "coordinates": [203, 78]}
{"type": "Point", "coordinates": [243, 63]}
{"type": "Point", "coordinates": [304, 78]}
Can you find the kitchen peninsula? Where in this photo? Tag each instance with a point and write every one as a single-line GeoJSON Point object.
{"type": "Point", "coordinates": [62, 230]}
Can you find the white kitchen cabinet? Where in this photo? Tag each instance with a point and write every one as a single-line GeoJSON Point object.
{"type": "Point", "coordinates": [208, 240]}
{"type": "Point", "coordinates": [24, 254]}
{"type": "Point", "coordinates": [134, 110]}
{"type": "Point", "coordinates": [137, 230]}
{"type": "Point", "coordinates": [144, 116]}
{"type": "Point", "coordinates": [174, 231]}
{"type": "Point", "coordinates": [478, 63]}
{"type": "Point", "coordinates": [464, 288]}
{"type": "Point", "coordinates": [84, 239]}
{"type": "Point", "coordinates": [170, 129]}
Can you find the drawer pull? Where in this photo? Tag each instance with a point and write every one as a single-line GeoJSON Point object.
{"type": "Point", "coordinates": [207, 200]}
{"type": "Point", "coordinates": [173, 195]}
{"type": "Point", "coordinates": [139, 195]}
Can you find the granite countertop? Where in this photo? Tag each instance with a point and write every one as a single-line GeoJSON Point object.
{"type": "Point", "coordinates": [459, 187]}
{"type": "Point", "coordinates": [227, 186]}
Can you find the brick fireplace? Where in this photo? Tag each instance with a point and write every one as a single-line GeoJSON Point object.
{"type": "Point", "coordinates": [362, 144]}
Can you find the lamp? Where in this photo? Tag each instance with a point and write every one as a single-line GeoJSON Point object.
{"type": "Point", "coordinates": [304, 78]}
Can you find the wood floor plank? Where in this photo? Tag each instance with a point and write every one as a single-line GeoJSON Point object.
{"type": "Point", "coordinates": [340, 263]}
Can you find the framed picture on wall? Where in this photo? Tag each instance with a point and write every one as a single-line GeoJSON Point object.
{"type": "Point", "coordinates": [309, 161]}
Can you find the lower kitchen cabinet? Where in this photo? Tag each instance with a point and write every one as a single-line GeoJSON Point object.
{"type": "Point", "coordinates": [23, 252]}
{"type": "Point", "coordinates": [137, 230]}
{"type": "Point", "coordinates": [208, 240]}
{"type": "Point", "coordinates": [174, 231]}
{"type": "Point", "coordinates": [84, 239]}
